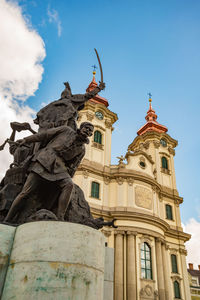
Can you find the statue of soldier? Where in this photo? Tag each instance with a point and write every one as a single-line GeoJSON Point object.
{"type": "Point", "coordinates": [55, 163]}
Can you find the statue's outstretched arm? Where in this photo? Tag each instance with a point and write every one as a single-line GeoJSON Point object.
{"type": "Point", "coordinates": [95, 91]}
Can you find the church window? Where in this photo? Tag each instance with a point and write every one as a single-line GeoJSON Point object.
{"type": "Point", "coordinates": [169, 212]}
{"type": "Point", "coordinates": [146, 265]}
{"type": "Point", "coordinates": [177, 293]}
{"type": "Point", "coordinates": [95, 190]}
{"type": "Point", "coordinates": [98, 137]}
{"type": "Point", "coordinates": [142, 164]}
{"type": "Point", "coordinates": [174, 263]}
{"type": "Point", "coordinates": [164, 163]}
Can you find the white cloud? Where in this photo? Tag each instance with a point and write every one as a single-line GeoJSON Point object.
{"type": "Point", "coordinates": [54, 18]}
{"type": "Point", "coordinates": [21, 53]}
{"type": "Point", "coordinates": [193, 246]}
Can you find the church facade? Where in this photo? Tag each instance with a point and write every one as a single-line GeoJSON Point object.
{"type": "Point", "coordinates": [140, 194]}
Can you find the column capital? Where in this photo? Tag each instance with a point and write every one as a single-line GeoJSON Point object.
{"type": "Point", "coordinates": [122, 232]}
{"type": "Point", "coordinates": [129, 232]}
{"type": "Point", "coordinates": [167, 246]}
{"type": "Point", "coordinates": [106, 232]}
{"type": "Point", "coordinates": [183, 251]}
{"type": "Point", "coordinates": [160, 240]}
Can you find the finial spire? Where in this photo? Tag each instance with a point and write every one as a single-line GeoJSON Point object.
{"type": "Point", "coordinates": [151, 118]}
{"type": "Point", "coordinates": [150, 95]}
{"type": "Point", "coordinates": [94, 70]}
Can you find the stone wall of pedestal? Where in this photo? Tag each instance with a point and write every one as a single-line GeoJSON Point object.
{"type": "Point", "coordinates": [109, 274]}
{"type": "Point", "coordinates": [55, 260]}
{"type": "Point", "coordinates": [6, 241]}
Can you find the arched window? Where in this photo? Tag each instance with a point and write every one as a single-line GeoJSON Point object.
{"type": "Point", "coordinates": [177, 293]}
{"type": "Point", "coordinates": [164, 163]}
{"type": "Point", "coordinates": [169, 212]}
{"type": "Point", "coordinates": [98, 137]}
{"type": "Point", "coordinates": [146, 264]}
{"type": "Point", "coordinates": [95, 189]}
{"type": "Point", "coordinates": [174, 263]}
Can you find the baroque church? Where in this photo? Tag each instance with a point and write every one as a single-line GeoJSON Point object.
{"type": "Point", "coordinates": [140, 194]}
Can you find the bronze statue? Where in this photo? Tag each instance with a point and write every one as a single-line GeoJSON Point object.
{"type": "Point", "coordinates": [55, 162]}
{"type": "Point", "coordinates": [38, 185]}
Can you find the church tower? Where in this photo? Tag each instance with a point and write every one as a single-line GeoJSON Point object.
{"type": "Point", "coordinates": [140, 194]}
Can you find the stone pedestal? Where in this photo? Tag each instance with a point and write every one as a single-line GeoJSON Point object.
{"type": "Point", "coordinates": [55, 260]}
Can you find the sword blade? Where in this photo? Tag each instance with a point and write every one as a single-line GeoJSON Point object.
{"type": "Point", "coordinates": [99, 64]}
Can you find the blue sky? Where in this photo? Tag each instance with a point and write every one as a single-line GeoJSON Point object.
{"type": "Point", "coordinates": [145, 46]}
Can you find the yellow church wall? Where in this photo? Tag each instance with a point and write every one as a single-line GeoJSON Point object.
{"type": "Point", "coordinates": [137, 199]}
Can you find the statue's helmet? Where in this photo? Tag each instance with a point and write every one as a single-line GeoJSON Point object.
{"type": "Point", "coordinates": [67, 91]}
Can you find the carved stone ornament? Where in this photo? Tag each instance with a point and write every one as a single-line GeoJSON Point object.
{"type": "Point", "coordinates": [108, 124]}
{"type": "Point", "coordinates": [160, 197]}
{"type": "Point", "coordinates": [143, 197]}
{"type": "Point", "coordinates": [176, 202]}
{"type": "Point", "coordinates": [120, 180]}
{"type": "Point", "coordinates": [155, 173]}
{"type": "Point", "coordinates": [146, 291]}
{"type": "Point", "coordinates": [130, 181]}
{"type": "Point", "coordinates": [156, 144]}
{"type": "Point", "coordinates": [154, 188]}
{"type": "Point", "coordinates": [85, 174]}
{"type": "Point", "coordinates": [167, 247]}
{"type": "Point", "coordinates": [146, 145]}
{"type": "Point", "coordinates": [171, 151]}
{"type": "Point", "coordinates": [176, 278]}
{"type": "Point", "coordinates": [106, 232]}
{"type": "Point", "coordinates": [183, 251]}
{"type": "Point", "coordinates": [89, 116]}
{"type": "Point", "coordinates": [106, 180]}
{"type": "Point", "coordinates": [146, 238]}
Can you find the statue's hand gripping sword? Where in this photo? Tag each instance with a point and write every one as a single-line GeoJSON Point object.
{"type": "Point", "coordinates": [102, 84]}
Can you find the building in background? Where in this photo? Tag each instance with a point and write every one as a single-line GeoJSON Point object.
{"type": "Point", "coordinates": [194, 281]}
{"type": "Point", "coordinates": [140, 193]}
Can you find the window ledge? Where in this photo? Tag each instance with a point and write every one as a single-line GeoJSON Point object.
{"type": "Point", "coordinates": [150, 280]}
{"type": "Point", "coordinates": [165, 171]}
{"type": "Point", "coordinates": [170, 219]}
{"type": "Point", "coordinates": [95, 198]}
{"type": "Point", "coordinates": [97, 145]}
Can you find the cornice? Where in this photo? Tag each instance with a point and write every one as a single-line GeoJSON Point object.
{"type": "Point", "coordinates": [132, 216]}
{"type": "Point", "coordinates": [139, 152]}
{"type": "Point", "coordinates": [152, 135]}
{"type": "Point", "coordinates": [143, 218]}
{"type": "Point", "coordinates": [125, 175]}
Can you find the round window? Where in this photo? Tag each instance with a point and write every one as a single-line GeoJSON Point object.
{"type": "Point", "coordinates": [142, 164]}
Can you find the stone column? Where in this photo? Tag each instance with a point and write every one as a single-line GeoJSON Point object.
{"type": "Point", "coordinates": [183, 253]}
{"type": "Point", "coordinates": [160, 275]}
{"type": "Point", "coordinates": [119, 271]}
{"type": "Point", "coordinates": [166, 271]}
{"type": "Point", "coordinates": [131, 266]}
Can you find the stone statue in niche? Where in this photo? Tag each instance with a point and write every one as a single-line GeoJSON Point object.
{"type": "Point", "coordinates": [38, 185]}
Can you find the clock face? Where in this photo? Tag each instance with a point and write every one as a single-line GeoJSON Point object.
{"type": "Point", "coordinates": [99, 115]}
